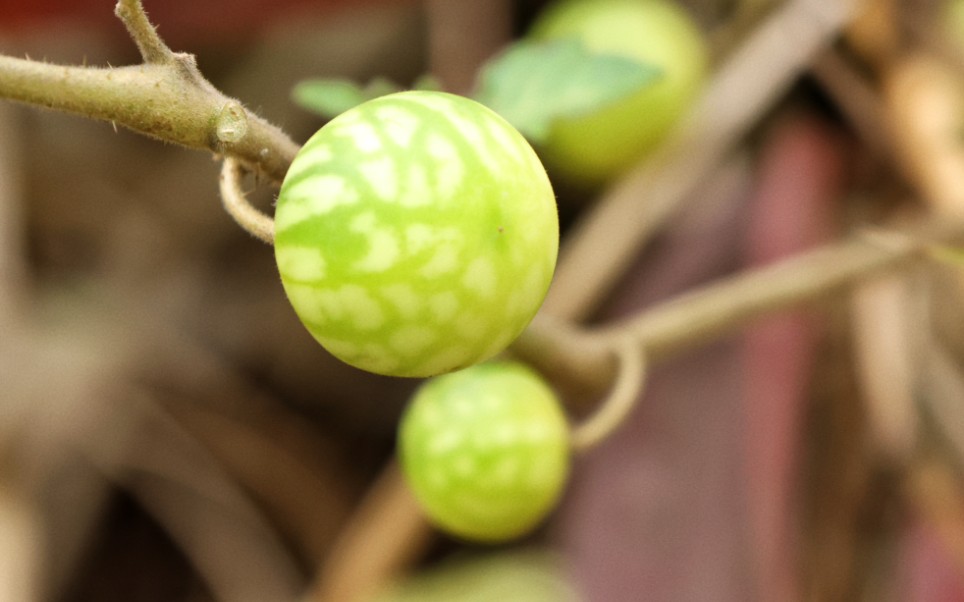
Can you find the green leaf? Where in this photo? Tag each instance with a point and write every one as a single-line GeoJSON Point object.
{"type": "Point", "coordinates": [427, 82]}
{"type": "Point", "coordinates": [332, 97]}
{"type": "Point", "coordinates": [534, 83]}
{"type": "Point", "coordinates": [327, 97]}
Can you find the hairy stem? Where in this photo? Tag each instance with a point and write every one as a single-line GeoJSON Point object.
{"type": "Point", "coordinates": [143, 32]}
{"type": "Point", "coordinates": [165, 98]}
{"type": "Point", "coordinates": [236, 204]}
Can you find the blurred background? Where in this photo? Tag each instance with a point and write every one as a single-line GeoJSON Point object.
{"type": "Point", "coordinates": [169, 431]}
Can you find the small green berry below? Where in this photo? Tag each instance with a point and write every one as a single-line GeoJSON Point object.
{"type": "Point", "coordinates": [416, 234]}
{"type": "Point", "coordinates": [486, 451]}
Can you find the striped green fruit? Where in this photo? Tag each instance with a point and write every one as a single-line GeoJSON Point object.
{"type": "Point", "coordinates": [485, 450]}
{"type": "Point", "coordinates": [416, 234]}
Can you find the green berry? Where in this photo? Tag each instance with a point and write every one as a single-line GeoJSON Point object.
{"type": "Point", "coordinates": [486, 450]}
{"type": "Point", "coordinates": [596, 147]}
{"type": "Point", "coordinates": [416, 234]}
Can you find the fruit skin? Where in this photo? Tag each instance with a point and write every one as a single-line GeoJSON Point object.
{"type": "Point", "coordinates": [592, 149]}
{"type": "Point", "coordinates": [486, 450]}
{"type": "Point", "coordinates": [416, 234]}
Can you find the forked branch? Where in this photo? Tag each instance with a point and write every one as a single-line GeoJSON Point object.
{"type": "Point", "coordinates": [166, 98]}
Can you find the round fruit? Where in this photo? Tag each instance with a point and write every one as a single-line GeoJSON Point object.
{"type": "Point", "coordinates": [416, 234]}
{"type": "Point", "coordinates": [594, 148]}
{"type": "Point", "coordinates": [486, 450]}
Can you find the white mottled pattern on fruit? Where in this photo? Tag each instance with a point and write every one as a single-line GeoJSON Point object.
{"type": "Point", "coordinates": [419, 237]}
{"type": "Point", "coordinates": [481, 277]}
{"type": "Point", "coordinates": [483, 468]}
{"type": "Point", "coordinates": [315, 197]}
{"type": "Point", "coordinates": [443, 307]}
{"type": "Point", "coordinates": [412, 340]}
{"type": "Point", "coordinates": [342, 348]}
{"type": "Point", "coordinates": [417, 192]}
{"type": "Point", "coordinates": [444, 260]}
{"type": "Point", "coordinates": [383, 251]}
{"type": "Point", "coordinates": [362, 134]}
{"type": "Point", "coordinates": [398, 123]}
{"type": "Point", "coordinates": [450, 170]}
{"type": "Point", "coordinates": [354, 303]}
{"type": "Point", "coordinates": [380, 174]}
{"type": "Point", "coordinates": [404, 299]}
{"type": "Point", "coordinates": [428, 214]}
{"type": "Point", "coordinates": [484, 148]}
{"type": "Point", "coordinates": [380, 358]}
{"type": "Point", "coordinates": [321, 153]}
{"type": "Point", "coordinates": [444, 442]}
{"type": "Point", "coordinates": [306, 264]}
{"type": "Point", "coordinates": [503, 434]}
{"type": "Point", "coordinates": [504, 141]}
{"type": "Point", "coordinates": [383, 246]}
{"type": "Point", "coordinates": [305, 297]}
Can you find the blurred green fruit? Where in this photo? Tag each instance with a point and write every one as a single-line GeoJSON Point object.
{"type": "Point", "coordinates": [486, 451]}
{"type": "Point", "coordinates": [592, 149]}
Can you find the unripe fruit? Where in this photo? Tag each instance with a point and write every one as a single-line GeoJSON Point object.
{"type": "Point", "coordinates": [416, 234]}
{"type": "Point", "coordinates": [486, 450]}
{"type": "Point", "coordinates": [591, 149]}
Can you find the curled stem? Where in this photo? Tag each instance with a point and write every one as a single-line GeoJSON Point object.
{"type": "Point", "coordinates": [630, 377]}
{"type": "Point", "coordinates": [236, 203]}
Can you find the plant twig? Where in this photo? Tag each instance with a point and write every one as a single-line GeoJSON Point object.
{"type": "Point", "coordinates": [856, 99]}
{"type": "Point", "coordinates": [12, 255]}
{"type": "Point", "coordinates": [620, 402]}
{"type": "Point", "coordinates": [143, 32]}
{"type": "Point", "coordinates": [165, 98]}
{"type": "Point", "coordinates": [236, 204]}
{"type": "Point", "coordinates": [604, 244]}
{"type": "Point", "coordinates": [558, 347]}
{"type": "Point", "coordinates": [386, 533]}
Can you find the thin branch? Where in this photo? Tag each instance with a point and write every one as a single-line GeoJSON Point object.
{"type": "Point", "coordinates": [236, 204]}
{"type": "Point", "coordinates": [144, 34]}
{"type": "Point", "coordinates": [856, 99]}
{"type": "Point", "coordinates": [13, 262]}
{"type": "Point", "coordinates": [385, 535]}
{"type": "Point", "coordinates": [703, 314]}
{"type": "Point", "coordinates": [558, 348]}
{"type": "Point", "coordinates": [166, 98]}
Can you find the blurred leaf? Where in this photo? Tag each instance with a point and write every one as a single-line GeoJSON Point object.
{"type": "Point", "coordinates": [427, 82]}
{"type": "Point", "coordinates": [534, 83]}
{"type": "Point", "coordinates": [332, 97]}
{"type": "Point", "coordinates": [381, 86]}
